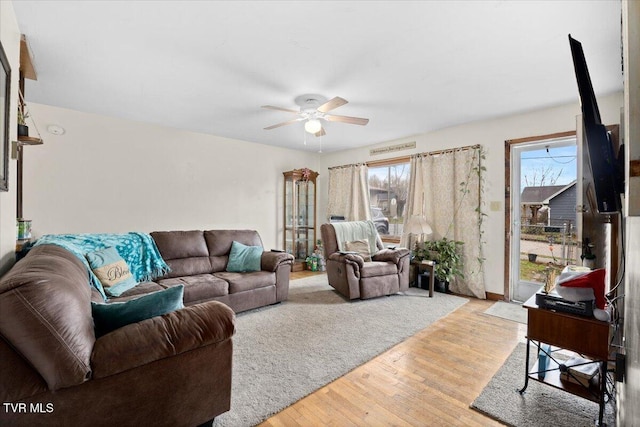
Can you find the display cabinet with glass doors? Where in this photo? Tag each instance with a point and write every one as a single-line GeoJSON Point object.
{"type": "Point", "coordinates": [300, 214]}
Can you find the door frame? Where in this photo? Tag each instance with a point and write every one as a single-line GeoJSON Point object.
{"type": "Point", "coordinates": [507, 200]}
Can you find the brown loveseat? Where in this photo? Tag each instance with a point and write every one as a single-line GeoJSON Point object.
{"type": "Point", "coordinates": [169, 370]}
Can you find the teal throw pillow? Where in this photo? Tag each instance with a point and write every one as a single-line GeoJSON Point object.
{"type": "Point", "coordinates": [243, 258]}
{"type": "Point", "coordinates": [112, 271]}
{"type": "Point", "coordinates": [111, 316]}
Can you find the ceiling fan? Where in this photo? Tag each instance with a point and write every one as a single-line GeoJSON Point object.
{"type": "Point", "coordinates": [313, 109]}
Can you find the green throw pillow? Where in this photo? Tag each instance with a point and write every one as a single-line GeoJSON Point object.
{"type": "Point", "coordinates": [112, 271]}
{"type": "Point", "coordinates": [243, 258]}
{"type": "Point", "coordinates": [111, 316]}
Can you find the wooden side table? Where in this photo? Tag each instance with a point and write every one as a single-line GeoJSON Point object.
{"type": "Point", "coordinates": [423, 267]}
{"type": "Point", "coordinates": [583, 335]}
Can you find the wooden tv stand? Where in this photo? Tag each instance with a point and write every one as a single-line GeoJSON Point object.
{"type": "Point", "coordinates": [586, 336]}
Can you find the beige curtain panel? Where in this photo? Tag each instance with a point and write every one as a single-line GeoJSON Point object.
{"type": "Point", "coordinates": [349, 192]}
{"type": "Point", "coordinates": [444, 188]}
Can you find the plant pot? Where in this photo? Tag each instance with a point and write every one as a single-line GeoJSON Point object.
{"type": "Point", "coordinates": [441, 286]}
{"type": "Point", "coordinates": [532, 257]}
{"type": "Point", "coordinates": [23, 130]}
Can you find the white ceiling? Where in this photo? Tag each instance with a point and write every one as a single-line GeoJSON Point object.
{"type": "Point", "coordinates": [410, 67]}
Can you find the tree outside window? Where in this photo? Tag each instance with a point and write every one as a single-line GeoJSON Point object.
{"type": "Point", "coordinates": [388, 188]}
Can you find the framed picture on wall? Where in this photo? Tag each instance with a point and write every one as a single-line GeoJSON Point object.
{"type": "Point", "coordinates": [5, 103]}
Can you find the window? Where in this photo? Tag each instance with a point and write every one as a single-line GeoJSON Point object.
{"type": "Point", "coordinates": [388, 188]}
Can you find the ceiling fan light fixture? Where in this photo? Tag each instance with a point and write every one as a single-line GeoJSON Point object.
{"type": "Point", "coordinates": [313, 126]}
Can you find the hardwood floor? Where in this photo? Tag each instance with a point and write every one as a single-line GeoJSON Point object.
{"type": "Point", "coordinates": [304, 273]}
{"type": "Point", "coordinates": [428, 380]}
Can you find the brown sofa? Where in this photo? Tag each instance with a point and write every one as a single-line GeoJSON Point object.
{"type": "Point", "coordinates": [198, 260]}
{"type": "Point", "coordinates": [169, 370]}
{"type": "Point", "coordinates": [348, 273]}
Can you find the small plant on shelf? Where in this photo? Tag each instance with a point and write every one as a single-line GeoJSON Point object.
{"type": "Point", "coordinates": [23, 129]}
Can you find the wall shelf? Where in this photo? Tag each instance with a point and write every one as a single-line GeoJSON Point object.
{"type": "Point", "coordinates": [29, 140]}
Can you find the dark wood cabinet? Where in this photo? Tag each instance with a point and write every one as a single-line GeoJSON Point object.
{"type": "Point", "coordinates": [586, 336]}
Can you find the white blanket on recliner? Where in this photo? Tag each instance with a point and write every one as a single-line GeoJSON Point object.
{"type": "Point", "coordinates": [356, 230]}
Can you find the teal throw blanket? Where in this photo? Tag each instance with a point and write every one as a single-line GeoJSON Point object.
{"type": "Point", "coordinates": [137, 249]}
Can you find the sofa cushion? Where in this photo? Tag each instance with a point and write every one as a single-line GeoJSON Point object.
{"type": "Point", "coordinates": [162, 337]}
{"type": "Point", "coordinates": [185, 252]}
{"type": "Point", "coordinates": [142, 289]}
{"type": "Point", "coordinates": [180, 244]}
{"type": "Point", "coordinates": [188, 266]}
{"type": "Point", "coordinates": [112, 271]}
{"type": "Point", "coordinates": [243, 258]}
{"type": "Point", "coordinates": [377, 268]}
{"type": "Point", "coordinates": [200, 287]}
{"type": "Point", "coordinates": [219, 243]}
{"type": "Point", "coordinates": [46, 314]}
{"type": "Point", "coordinates": [239, 282]}
{"type": "Point", "coordinates": [114, 315]}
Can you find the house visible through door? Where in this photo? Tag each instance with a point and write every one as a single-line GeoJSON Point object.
{"type": "Point", "coordinates": [545, 228]}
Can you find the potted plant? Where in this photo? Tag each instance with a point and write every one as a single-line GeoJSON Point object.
{"type": "Point", "coordinates": [23, 129]}
{"type": "Point", "coordinates": [447, 257]}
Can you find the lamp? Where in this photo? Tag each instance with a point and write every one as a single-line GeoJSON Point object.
{"type": "Point", "coordinates": [417, 225]}
{"type": "Point", "coordinates": [313, 126]}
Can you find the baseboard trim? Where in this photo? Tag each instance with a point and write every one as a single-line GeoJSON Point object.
{"type": "Point", "coordinates": [494, 297]}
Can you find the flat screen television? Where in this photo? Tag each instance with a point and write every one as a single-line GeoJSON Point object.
{"type": "Point", "coordinates": [608, 181]}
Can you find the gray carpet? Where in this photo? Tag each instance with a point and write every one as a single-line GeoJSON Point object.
{"type": "Point", "coordinates": [540, 405]}
{"type": "Point", "coordinates": [284, 352]}
{"type": "Point", "coordinates": [508, 310]}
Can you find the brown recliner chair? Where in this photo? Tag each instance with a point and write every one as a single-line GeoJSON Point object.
{"type": "Point", "coordinates": [387, 273]}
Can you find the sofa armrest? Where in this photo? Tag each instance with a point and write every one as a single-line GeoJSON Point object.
{"type": "Point", "coordinates": [391, 255]}
{"type": "Point", "coordinates": [163, 336]}
{"type": "Point", "coordinates": [353, 259]}
{"type": "Point", "coordinates": [270, 261]}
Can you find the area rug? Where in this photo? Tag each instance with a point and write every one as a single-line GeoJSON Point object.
{"type": "Point", "coordinates": [284, 352]}
{"type": "Point", "coordinates": [540, 405]}
{"type": "Point", "coordinates": [508, 310]}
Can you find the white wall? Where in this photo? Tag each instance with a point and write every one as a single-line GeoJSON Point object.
{"type": "Point", "coordinates": [491, 134]}
{"type": "Point", "coordinates": [10, 38]}
{"type": "Point", "coordinates": [111, 175]}
{"type": "Point", "coordinates": [629, 392]}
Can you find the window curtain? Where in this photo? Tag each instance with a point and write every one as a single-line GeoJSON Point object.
{"type": "Point", "coordinates": [349, 192]}
{"type": "Point", "coordinates": [444, 188]}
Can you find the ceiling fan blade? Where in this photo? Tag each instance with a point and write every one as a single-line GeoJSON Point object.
{"type": "Point", "coordinates": [347, 119]}
{"type": "Point", "coordinates": [271, 107]}
{"type": "Point", "coordinates": [331, 104]}
{"type": "Point", "coordinates": [321, 132]}
{"type": "Point", "coordinates": [290, 122]}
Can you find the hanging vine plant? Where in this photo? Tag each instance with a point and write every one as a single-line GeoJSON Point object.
{"type": "Point", "coordinates": [478, 169]}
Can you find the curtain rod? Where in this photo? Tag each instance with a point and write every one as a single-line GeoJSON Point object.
{"type": "Point", "coordinates": [348, 166]}
{"type": "Point", "coordinates": [429, 153]}
{"type": "Point", "coordinates": [448, 150]}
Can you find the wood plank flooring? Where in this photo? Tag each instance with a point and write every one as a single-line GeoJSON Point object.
{"type": "Point", "coordinates": [428, 380]}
